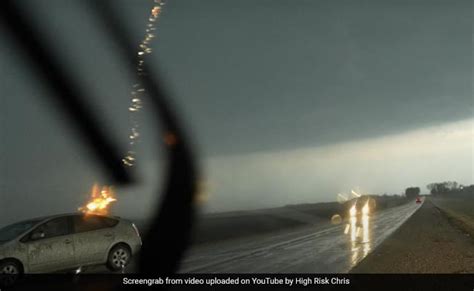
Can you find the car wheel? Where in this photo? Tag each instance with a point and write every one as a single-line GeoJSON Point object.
{"type": "Point", "coordinates": [119, 257]}
{"type": "Point", "coordinates": [10, 267]}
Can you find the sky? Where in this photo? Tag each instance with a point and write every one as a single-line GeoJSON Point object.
{"type": "Point", "coordinates": [286, 101]}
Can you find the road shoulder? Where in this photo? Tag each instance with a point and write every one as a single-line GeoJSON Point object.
{"type": "Point", "coordinates": [426, 243]}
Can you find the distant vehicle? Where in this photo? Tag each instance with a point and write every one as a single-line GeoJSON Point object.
{"type": "Point", "coordinates": [418, 200]}
{"type": "Point", "coordinates": [66, 242]}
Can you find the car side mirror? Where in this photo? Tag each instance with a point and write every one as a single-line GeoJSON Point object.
{"type": "Point", "coordinates": [37, 235]}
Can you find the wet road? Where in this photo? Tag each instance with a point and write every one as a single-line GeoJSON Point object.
{"type": "Point", "coordinates": [322, 249]}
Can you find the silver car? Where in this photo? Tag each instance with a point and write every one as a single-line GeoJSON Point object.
{"type": "Point", "coordinates": [67, 241]}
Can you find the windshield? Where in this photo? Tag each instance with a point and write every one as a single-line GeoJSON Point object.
{"type": "Point", "coordinates": [267, 137]}
{"type": "Point", "coordinates": [14, 230]}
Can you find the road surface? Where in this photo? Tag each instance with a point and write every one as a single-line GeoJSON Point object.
{"type": "Point", "coordinates": [323, 249]}
{"type": "Point", "coordinates": [319, 249]}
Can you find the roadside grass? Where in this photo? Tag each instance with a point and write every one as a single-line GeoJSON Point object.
{"type": "Point", "coordinates": [460, 211]}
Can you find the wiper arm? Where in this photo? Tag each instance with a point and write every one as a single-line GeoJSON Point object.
{"type": "Point", "coordinates": [169, 235]}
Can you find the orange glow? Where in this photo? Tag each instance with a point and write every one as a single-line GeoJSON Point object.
{"type": "Point", "coordinates": [100, 201]}
{"type": "Point", "coordinates": [155, 11]}
{"type": "Point", "coordinates": [170, 139]}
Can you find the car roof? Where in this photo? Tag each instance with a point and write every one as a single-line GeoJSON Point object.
{"type": "Point", "coordinates": [43, 218]}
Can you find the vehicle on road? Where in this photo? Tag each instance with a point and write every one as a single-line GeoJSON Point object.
{"type": "Point", "coordinates": [67, 242]}
{"type": "Point", "coordinates": [418, 200]}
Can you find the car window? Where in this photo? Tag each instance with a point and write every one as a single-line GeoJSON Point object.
{"type": "Point", "coordinates": [55, 227]}
{"type": "Point", "coordinates": [12, 231]}
{"type": "Point", "coordinates": [84, 223]}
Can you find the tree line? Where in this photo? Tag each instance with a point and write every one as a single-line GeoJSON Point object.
{"type": "Point", "coordinates": [449, 187]}
{"type": "Point", "coordinates": [441, 188]}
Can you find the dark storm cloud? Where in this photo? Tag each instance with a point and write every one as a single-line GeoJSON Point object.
{"type": "Point", "coordinates": [258, 75]}
{"type": "Point", "coordinates": [270, 74]}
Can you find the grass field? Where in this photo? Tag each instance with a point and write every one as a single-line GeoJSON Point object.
{"type": "Point", "coordinates": [460, 209]}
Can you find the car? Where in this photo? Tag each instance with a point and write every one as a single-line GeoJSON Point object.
{"type": "Point", "coordinates": [67, 242]}
{"type": "Point", "coordinates": [418, 200]}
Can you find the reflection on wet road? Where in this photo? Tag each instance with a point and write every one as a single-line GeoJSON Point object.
{"type": "Point", "coordinates": [359, 228]}
{"type": "Point", "coordinates": [322, 249]}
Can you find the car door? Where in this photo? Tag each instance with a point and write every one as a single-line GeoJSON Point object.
{"type": "Point", "coordinates": [93, 236]}
{"type": "Point", "coordinates": [50, 246]}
